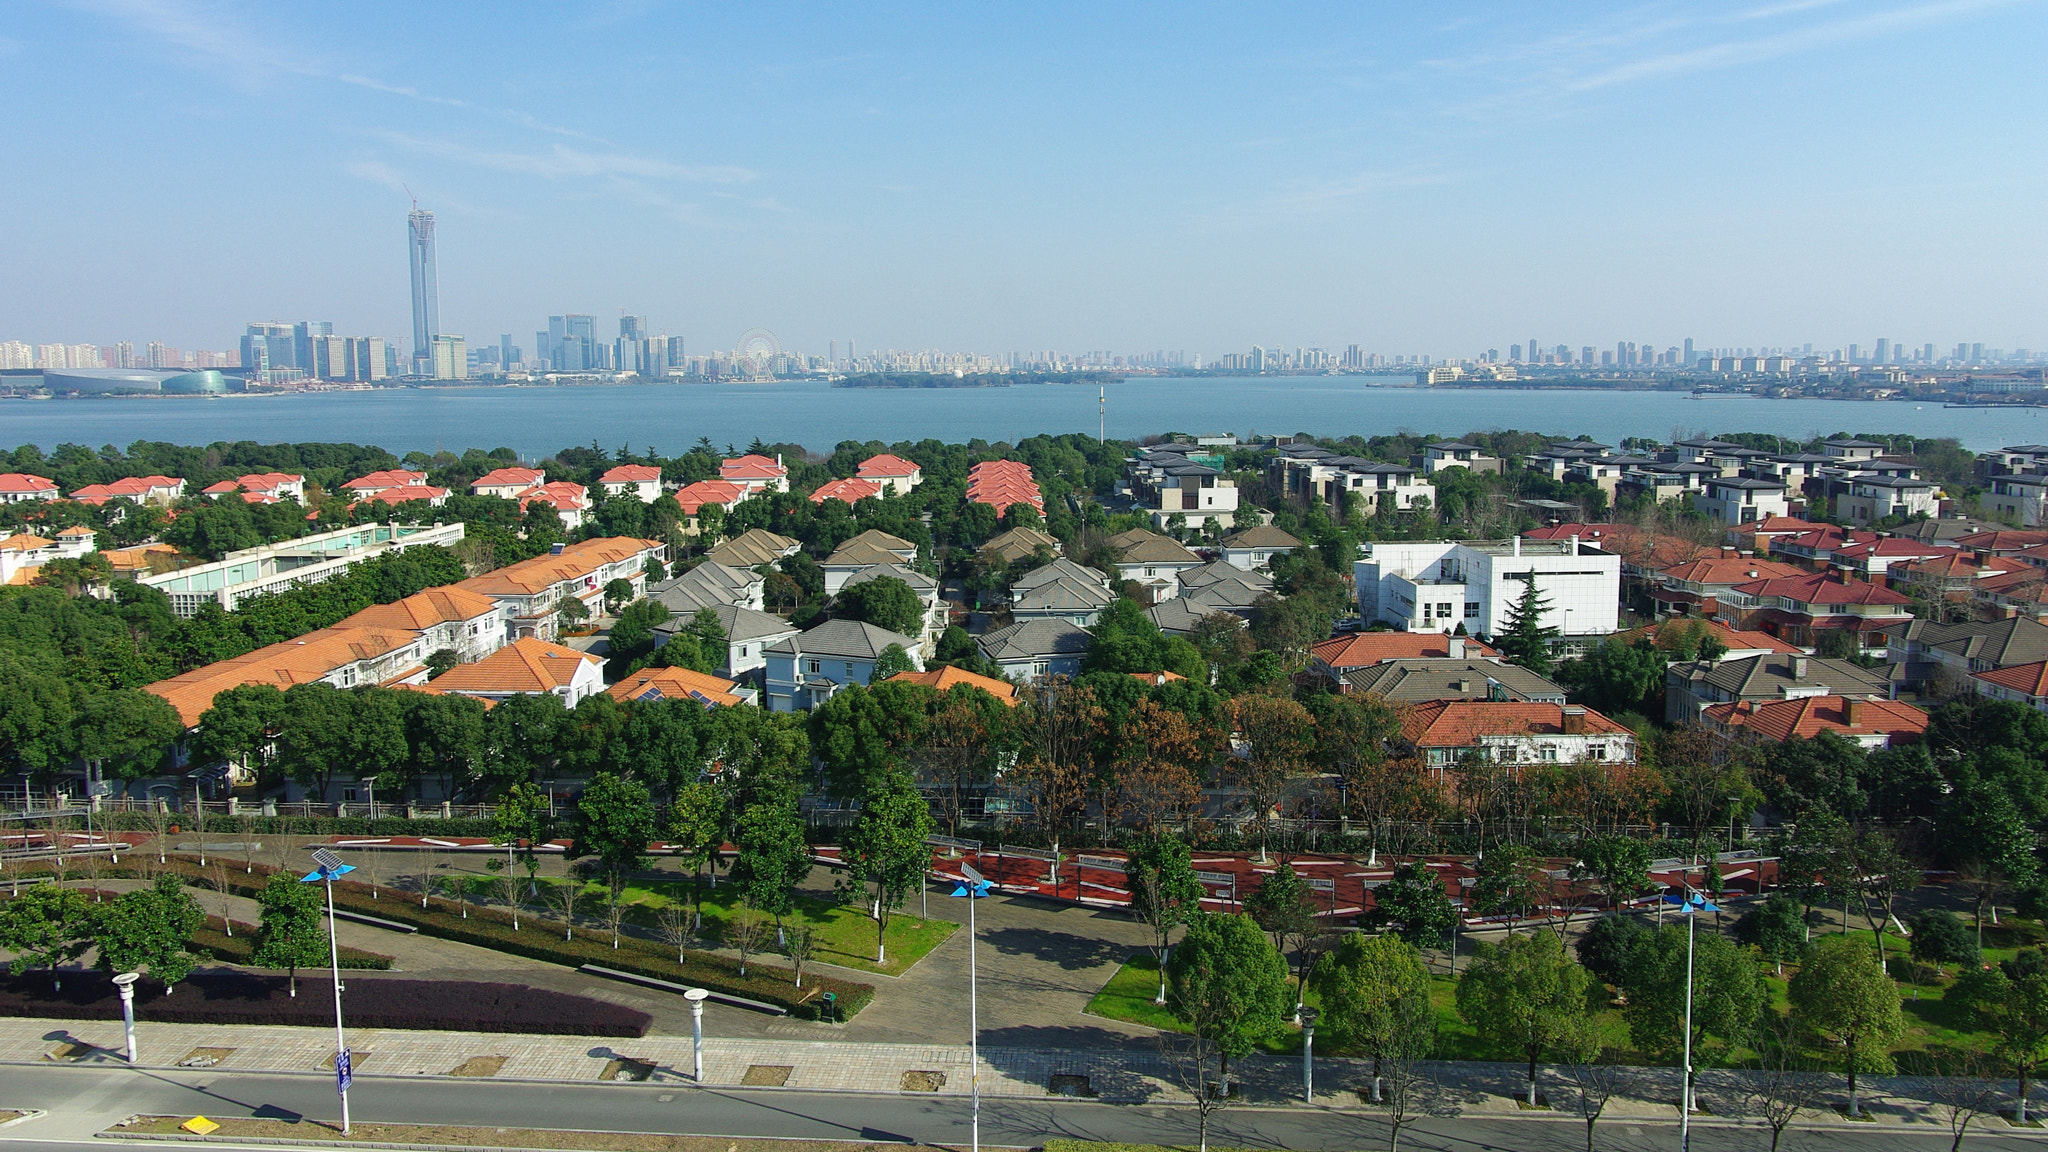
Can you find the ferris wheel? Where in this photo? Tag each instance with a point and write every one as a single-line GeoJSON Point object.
{"type": "Point", "coordinates": [758, 349]}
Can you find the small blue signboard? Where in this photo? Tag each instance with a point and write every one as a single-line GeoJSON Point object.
{"type": "Point", "coordinates": [342, 1075]}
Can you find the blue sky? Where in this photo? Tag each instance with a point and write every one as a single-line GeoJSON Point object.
{"type": "Point", "coordinates": [1125, 177]}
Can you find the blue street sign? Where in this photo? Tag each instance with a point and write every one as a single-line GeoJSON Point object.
{"type": "Point", "coordinates": [978, 890]}
{"type": "Point", "coordinates": [317, 876]}
{"type": "Point", "coordinates": [1691, 902]}
{"type": "Point", "coordinates": [342, 1071]}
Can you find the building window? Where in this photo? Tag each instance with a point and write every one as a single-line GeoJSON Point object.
{"type": "Point", "coordinates": [1597, 752]}
{"type": "Point", "coordinates": [1550, 752]}
{"type": "Point", "coordinates": [811, 666]}
{"type": "Point", "coordinates": [1471, 609]}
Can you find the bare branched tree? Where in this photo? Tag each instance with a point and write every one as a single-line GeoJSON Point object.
{"type": "Point", "coordinates": [747, 932]}
{"type": "Point", "coordinates": [1970, 1093]}
{"type": "Point", "coordinates": [672, 922]}
{"type": "Point", "coordinates": [1190, 1059]}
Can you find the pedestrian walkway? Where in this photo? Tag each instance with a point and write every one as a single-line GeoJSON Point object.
{"type": "Point", "coordinates": [1135, 1075]}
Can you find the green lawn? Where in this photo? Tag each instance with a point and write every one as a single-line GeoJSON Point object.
{"type": "Point", "coordinates": [846, 936]}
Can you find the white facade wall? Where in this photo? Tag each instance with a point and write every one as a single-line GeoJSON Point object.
{"type": "Point", "coordinates": [1436, 586]}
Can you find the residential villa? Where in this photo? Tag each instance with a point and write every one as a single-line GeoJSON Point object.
{"type": "Point", "coordinates": [1445, 732]}
{"type": "Point", "coordinates": [924, 587]}
{"type": "Point", "coordinates": [1872, 724]}
{"type": "Point", "coordinates": [1801, 608]}
{"type": "Point", "coordinates": [1456, 454]}
{"type": "Point", "coordinates": [1345, 653]}
{"type": "Point", "coordinates": [1316, 473]}
{"type": "Point", "coordinates": [694, 498]}
{"type": "Point", "coordinates": [755, 473]}
{"type": "Point", "coordinates": [893, 474]}
{"type": "Point", "coordinates": [370, 485]}
{"type": "Point", "coordinates": [161, 490]}
{"type": "Point", "coordinates": [1061, 590]}
{"type": "Point", "coordinates": [1165, 483]}
{"type": "Point", "coordinates": [1152, 561]}
{"type": "Point", "coordinates": [1036, 649]}
{"type": "Point", "coordinates": [532, 592]}
{"type": "Point", "coordinates": [1438, 586]}
{"type": "Point", "coordinates": [450, 619]}
{"type": "Point", "coordinates": [1255, 547]}
{"type": "Point", "coordinates": [1018, 544]}
{"type": "Point", "coordinates": [1690, 686]}
{"type": "Point", "coordinates": [21, 553]}
{"type": "Point", "coordinates": [405, 494]}
{"type": "Point", "coordinates": [1739, 500]}
{"type": "Point", "coordinates": [805, 670]}
{"type": "Point", "coordinates": [345, 657]}
{"type": "Point", "coordinates": [945, 678]}
{"type": "Point", "coordinates": [640, 481]}
{"type": "Point", "coordinates": [20, 487]}
{"type": "Point", "coordinates": [528, 667]}
{"type": "Point", "coordinates": [570, 501]}
{"type": "Point", "coordinates": [753, 548]}
{"type": "Point", "coordinates": [1425, 680]}
{"type": "Point", "coordinates": [262, 487]}
{"type": "Point", "coordinates": [749, 633]}
{"type": "Point", "coordinates": [851, 490]}
{"type": "Point", "coordinates": [680, 684]}
{"type": "Point", "coordinates": [507, 482]}
{"type": "Point", "coordinates": [276, 567]}
{"type": "Point", "coordinates": [1001, 483]}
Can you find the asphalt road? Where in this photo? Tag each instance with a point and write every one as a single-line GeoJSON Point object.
{"type": "Point", "coordinates": [82, 1100]}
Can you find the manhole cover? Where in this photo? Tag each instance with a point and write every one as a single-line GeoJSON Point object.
{"type": "Point", "coordinates": [767, 1075]}
{"type": "Point", "coordinates": [1068, 1084]}
{"type": "Point", "coordinates": [479, 1066]}
{"type": "Point", "coordinates": [626, 1069]}
{"type": "Point", "coordinates": [204, 1057]}
{"type": "Point", "coordinates": [923, 1081]}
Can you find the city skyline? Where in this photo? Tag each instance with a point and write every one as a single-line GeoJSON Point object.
{"type": "Point", "coordinates": [1763, 176]}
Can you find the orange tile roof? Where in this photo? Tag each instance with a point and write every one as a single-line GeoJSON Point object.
{"type": "Point", "coordinates": [751, 467]}
{"type": "Point", "coordinates": [23, 542]}
{"type": "Point", "coordinates": [1809, 716]}
{"type": "Point", "coordinates": [542, 572]}
{"type": "Point", "coordinates": [1730, 570]}
{"type": "Point", "coordinates": [1361, 649]}
{"type": "Point", "coordinates": [561, 495]}
{"type": "Point", "coordinates": [23, 482]}
{"type": "Point", "coordinates": [389, 478]}
{"type": "Point", "coordinates": [1462, 723]}
{"type": "Point", "coordinates": [852, 490]}
{"type": "Point", "coordinates": [431, 689]}
{"type": "Point", "coordinates": [1157, 678]}
{"type": "Point", "coordinates": [302, 661]}
{"type": "Point", "coordinates": [527, 665]}
{"type": "Point", "coordinates": [675, 684]}
{"type": "Point", "coordinates": [631, 474]}
{"type": "Point", "coordinates": [402, 494]}
{"type": "Point", "coordinates": [76, 530]}
{"type": "Point", "coordinates": [508, 478]}
{"type": "Point", "coordinates": [946, 677]}
{"type": "Point", "coordinates": [886, 465]}
{"type": "Point", "coordinates": [2028, 679]}
{"type": "Point", "coordinates": [1777, 524]}
{"type": "Point", "coordinates": [422, 610]}
{"type": "Point", "coordinates": [694, 496]}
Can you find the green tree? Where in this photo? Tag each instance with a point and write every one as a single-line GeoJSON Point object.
{"type": "Point", "coordinates": [617, 594]}
{"type": "Point", "coordinates": [1526, 998]}
{"type": "Point", "coordinates": [1511, 882]}
{"type": "Point", "coordinates": [2013, 1006]}
{"type": "Point", "coordinates": [863, 732]}
{"type": "Point", "coordinates": [884, 852]}
{"type": "Point", "coordinates": [1728, 993]}
{"type": "Point", "coordinates": [773, 856]}
{"type": "Point", "coordinates": [1614, 677]}
{"type": "Point", "coordinates": [893, 661]}
{"type": "Point", "coordinates": [1228, 985]}
{"type": "Point", "coordinates": [614, 822]}
{"type": "Point", "coordinates": [1984, 832]}
{"type": "Point", "coordinates": [1414, 904]}
{"type": "Point", "coordinates": [148, 929]}
{"type": "Point", "coordinates": [1165, 893]}
{"type": "Point", "coordinates": [885, 602]}
{"type": "Point", "coordinates": [1608, 949]}
{"type": "Point", "coordinates": [1621, 863]}
{"type": "Point", "coordinates": [1842, 996]}
{"type": "Point", "coordinates": [1374, 992]}
{"type": "Point", "coordinates": [1940, 937]}
{"type": "Point", "coordinates": [695, 831]}
{"type": "Point", "coordinates": [633, 637]}
{"type": "Point", "coordinates": [523, 821]}
{"type": "Point", "coordinates": [1525, 639]}
{"type": "Point", "coordinates": [44, 927]}
{"type": "Point", "coordinates": [1284, 907]}
{"type": "Point", "coordinates": [1776, 928]}
{"type": "Point", "coordinates": [289, 934]}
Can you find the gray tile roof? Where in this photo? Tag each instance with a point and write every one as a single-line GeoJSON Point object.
{"type": "Point", "coordinates": [752, 548]}
{"type": "Point", "coordinates": [1061, 569]}
{"type": "Point", "coordinates": [845, 640]}
{"type": "Point", "coordinates": [1035, 640]}
{"type": "Point", "coordinates": [919, 583]}
{"type": "Point", "coordinates": [1062, 595]}
{"type": "Point", "coordinates": [1421, 680]}
{"type": "Point", "coordinates": [737, 622]}
{"type": "Point", "coordinates": [1997, 643]}
{"type": "Point", "coordinates": [707, 585]}
{"type": "Point", "coordinates": [1766, 677]}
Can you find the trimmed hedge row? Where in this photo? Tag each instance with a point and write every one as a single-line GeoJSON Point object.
{"type": "Point", "coordinates": [242, 998]}
{"type": "Point", "coordinates": [540, 939]}
{"type": "Point", "coordinates": [303, 825]}
{"type": "Point", "coordinates": [212, 941]}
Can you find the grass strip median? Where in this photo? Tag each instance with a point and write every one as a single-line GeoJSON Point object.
{"type": "Point", "coordinates": [241, 1128]}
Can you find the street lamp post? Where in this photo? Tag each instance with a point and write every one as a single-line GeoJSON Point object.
{"type": "Point", "coordinates": [126, 983]}
{"type": "Point", "coordinates": [1308, 1054]}
{"type": "Point", "coordinates": [1692, 904]}
{"type": "Point", "coordinates": [974, 889]}
{"type": "Point", "coordinates": [696, 998]}
{"type": "Point", "coordinates": [328, 866]}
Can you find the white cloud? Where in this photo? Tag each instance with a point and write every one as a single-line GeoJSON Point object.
{"type": "Point", "coordinates": [563, 162]}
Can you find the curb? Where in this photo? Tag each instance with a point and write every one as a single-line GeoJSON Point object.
{"type": "Point", "coordinates": [291, 1142]}
{"type": "Point", "coordinates": [27, 1114]}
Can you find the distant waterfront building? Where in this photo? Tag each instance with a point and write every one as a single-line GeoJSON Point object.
{"type": "Point", "coordinates": [426, 295]}
{"type": "Point", "coordinates": [450, 358]}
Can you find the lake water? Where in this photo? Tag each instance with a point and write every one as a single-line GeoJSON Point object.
{"type": "Point", "coordinates": [536, 421]}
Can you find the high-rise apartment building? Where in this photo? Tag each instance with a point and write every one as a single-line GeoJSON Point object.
{"type": "Point", "coordinates": [426, 294]}
{"type": "Point", "coordinates": [327, 357]}
{"type": "Point", "coordinates": [508, 352]}
{"type": "Point", "coordinates": [303, 334]}
{"type": "Point", "coordinates": [15, 354]}
{"type": "Point", "coordinates": [632, 327]}
{"type": "Point", "coordinates": [451, 358]}
{"type": "Point", "coordinates": [675, 357]}
{"type": "Point", "coordinates": [366, 359]}
{"type": "Point", "coordinates": [1688, 352]}
{"type": "Point", "coordinates": [1884, 352]}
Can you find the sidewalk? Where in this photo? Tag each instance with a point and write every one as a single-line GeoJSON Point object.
{"type": "Point", "coordinates": [1130, 1076]}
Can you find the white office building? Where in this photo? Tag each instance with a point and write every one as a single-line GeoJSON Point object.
{"type": "Point", "coordinates": [1435, 586]}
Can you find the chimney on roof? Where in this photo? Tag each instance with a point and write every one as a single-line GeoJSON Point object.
{"type": "Point", "coordinates": [1799, 667]}
{"type": "Point", "coordinates": [1462, 685]}
{"type": "Point", "coordinates": [1518, 545]}
{"type": "Point", "coordinates": [556, 549]}
{"type": "Point", "coordinates": [1456, 647]}
{"type": "Point", "coordinates": [1574, 720]}
{"type": "Point", "coordinates": [1575, 543]}
{"type": "Point", "coordinates": [1852, 711]}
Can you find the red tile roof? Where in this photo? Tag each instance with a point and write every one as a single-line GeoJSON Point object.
{"type": "Point", "coordinates": [1770, 525]}
{"type": "Point", "coordinates": [1730, 570]}
{"type": "Point", "coordinates": [526, 665]}
{"type": "Point", "coordinates": [560, 495]}
{"type": "Point", "coordinates": [2003, 539]}
{"type": "Point", "coordinates": [389, 478]}
{"type": "Point", "coordinates": [886, 466]}
{"type": "Point", "coordinates": [2027, 679]}
{"type": "Point", "coordinates": [631, 474]}
{"type": "Point", "coordinates": [1360, 649]}
{"type": "Point", "coordinates": [751, 467]}
{"type": "Point", "coordinates": [1809, 716]}
{"type": "Point", "coordinates": [1822, 588]}
{"type": "Point", "coordinates": [1585, 532]}
{"type": "Point", "coordinates": [851, 490]}
{"type": "Point", "coordinates": [675, 684]}
{"type": "Point", "coordinates": [946, 677]}
{"type": "Point", "coordinates": [23, 482]}
{"type": "Point", "coordinates": [694, 496]}
{"type": "Point", "coordinates": [402, 493]}
{"type": "Point", "coordinates": [1671, 633]}
{"type": "Point", "coordinates": [508, 478]}
{"type": "Point", "coordinates": [1462, 723]}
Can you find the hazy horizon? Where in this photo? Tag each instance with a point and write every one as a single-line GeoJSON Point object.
{"type": "Point", "coordinates": [1165, 177]}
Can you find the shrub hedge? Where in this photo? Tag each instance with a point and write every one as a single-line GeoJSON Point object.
{"type": "Point", "coordinates": [303, 825]}
{"type": "Point", "coordinates": [243, 998]}
{"type": "Point", "coordinates": [540, 939]}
